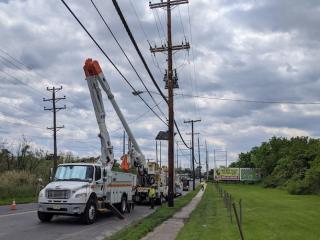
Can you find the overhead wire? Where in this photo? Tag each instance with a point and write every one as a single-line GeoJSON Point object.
{"type": "Point", "coordinates": [249, 100]}
{"type": "Point", "coordinates": [124, 22]}
{"type": "Point", "coordinates": [109, 59]}
{"type": "Point", "coordinates": [126, 56]}
{"type": "Point", "coordinates": [193, 79]}
{"type": "Point", "coordinates": [22, 64]}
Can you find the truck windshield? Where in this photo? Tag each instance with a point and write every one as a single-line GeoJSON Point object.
{"type": "Point", "coordinates": [74, 173]}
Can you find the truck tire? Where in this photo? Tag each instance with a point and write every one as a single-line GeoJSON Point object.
{"type": "Point", "coordinates": [90, 213]}
{"type": "Point", "coordinates": [45, 217]}
{"type": "Point", "coordinates": [123, 204]}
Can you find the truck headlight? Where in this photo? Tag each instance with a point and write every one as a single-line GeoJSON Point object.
{"type": "Point", "coordinates": [81, 195]}
{"type": "Point", "coordinates": [41, 193]}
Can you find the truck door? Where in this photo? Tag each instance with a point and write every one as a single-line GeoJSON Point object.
{"type": "Point", "coordinates": [98, 182]}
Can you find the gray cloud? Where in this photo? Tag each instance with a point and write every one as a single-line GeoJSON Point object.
{"type": "Point", "coordinates": [258, 50]}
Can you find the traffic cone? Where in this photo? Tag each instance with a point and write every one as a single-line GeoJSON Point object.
{"type": "Point", "coordinates": [13, 205]}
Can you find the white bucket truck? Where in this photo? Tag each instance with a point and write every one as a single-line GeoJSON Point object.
{"type": "Point", "coordinates": [83, 189]}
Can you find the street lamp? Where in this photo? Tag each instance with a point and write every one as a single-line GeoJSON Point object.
{"type": "Point", "coordinates": [137, 92]}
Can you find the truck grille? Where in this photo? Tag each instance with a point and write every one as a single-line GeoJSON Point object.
{"type": "Point", "coordinates": [58, 194]}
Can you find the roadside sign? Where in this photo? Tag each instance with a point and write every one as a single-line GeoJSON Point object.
{"type": "Point", "coordinates": [250, 174]}
{"type": "Point", "coordinates": [224, 174]}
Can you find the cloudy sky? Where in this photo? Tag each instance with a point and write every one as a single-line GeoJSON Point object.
{"type": "Point", "coordinates": [264, 51]}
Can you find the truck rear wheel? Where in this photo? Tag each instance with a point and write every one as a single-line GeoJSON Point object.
{"type": "Point", "coordinates": [45, 217]}
{"type": "Point", "coordinates": [90, 213]}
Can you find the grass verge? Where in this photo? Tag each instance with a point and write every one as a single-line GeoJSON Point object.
{"type": "Point", "coordinates": [209, 220]}
{"type": "Point", "coordinates": [19, 200]}
{"type": "Point", "coordinates": [268, 214]}
{"type": "Point", "coordinates": [140, 228]}
{"type": "Point", "coordinates": [273, 214]}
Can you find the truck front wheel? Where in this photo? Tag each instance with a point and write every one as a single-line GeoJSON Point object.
{"type": "Point", "coordinates": [90, 213]}
{"type": "Point", "coordinates": [45, 217]}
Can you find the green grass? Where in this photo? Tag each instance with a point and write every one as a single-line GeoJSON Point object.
{"type": "Point", "coordinates": [268, 214]}
{"type": "Point", "coordinates": [209, 220]}
{"type": "Point", "coordinates": [140, 228]}
{"type": "Point", "coordinates": [19, 200]}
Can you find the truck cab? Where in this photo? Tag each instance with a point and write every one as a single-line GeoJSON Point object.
{"type": "Point", "coordinates": [73, 185]}
{"type": "Point", "coordinates": [83, 189]}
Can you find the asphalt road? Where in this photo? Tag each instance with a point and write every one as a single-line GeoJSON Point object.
{"type": "Point", "coordinates": [23, 224]}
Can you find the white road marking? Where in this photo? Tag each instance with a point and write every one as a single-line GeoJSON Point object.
{"type": "Point", "coordinates": [15, 214]}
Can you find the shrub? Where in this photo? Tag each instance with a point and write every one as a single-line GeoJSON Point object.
{"type": "Point", "coordinates": [297, 187]}
{"type": "Point", "coordinates": [17, 184]}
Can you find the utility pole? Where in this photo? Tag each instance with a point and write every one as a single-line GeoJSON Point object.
{"type": "Point", "coordinates": [55, 129]}
{"type": "Point", "coordinates": [207, 164]}
{"type": "Point", "coordinates": [199, 157]}
{"type": "Point", "coordinates": [192, 150]}
{"type": "Point", "coordinates": [226, 158]}
{"type": "Point", "coordinates": [169, 48]}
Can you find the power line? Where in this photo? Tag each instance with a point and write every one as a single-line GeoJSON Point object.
{"type": "Point", "coordinates": [109, 59]}
{"type": "Point", "coordinates": [193, 79]}
{"type": "Point", "coordinates": [124, 22]}
{"type": "Point", "coordinates": [23, 64]}
{"type": "Point", "coordinates": [134, 69]}
{"type": "Point", "coordinates": [250, 101]}
{"type": "Point", "coordinates": [153, 56]}
{"type": "Point", "coordinates": [135, 12]}
{"type": "Point", "coordinates": [246, 100]}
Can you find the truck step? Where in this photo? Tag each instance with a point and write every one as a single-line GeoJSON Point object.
{"type": "Point", "coordinates": [115, 211]}
{"type": "Point", "coordinates": [103, 210]}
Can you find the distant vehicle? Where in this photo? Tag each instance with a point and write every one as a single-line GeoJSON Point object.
{"type": "Point", "coordinates": [178, 185]}
{"type": "Point", "coordinates": [185, 183]}
{"type": "Point", "coordinates": [178, 189]}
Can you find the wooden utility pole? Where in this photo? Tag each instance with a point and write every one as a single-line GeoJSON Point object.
{"type": "Point", "coordinates": [192, 151]}
{"type": "Point", "coordinates": [199, 157]}
{"type": "Point", "coordinates": [207, 164]}
{"type": "Point", "coordinates": [55, 129]}
{"type": "Point", "coordinates": [169, 48]}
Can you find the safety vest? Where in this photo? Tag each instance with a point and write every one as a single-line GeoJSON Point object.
{"type": "Point", "coordinates": [152, 193]}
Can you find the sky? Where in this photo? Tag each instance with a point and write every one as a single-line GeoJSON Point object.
{"type": "Point", "coordinates": [252, 73]}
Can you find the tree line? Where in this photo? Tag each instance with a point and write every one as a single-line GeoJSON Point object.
{"type": "Point", "coordinates": [293, 164]}
{"type": "Point", "coordinates": [24, 168]}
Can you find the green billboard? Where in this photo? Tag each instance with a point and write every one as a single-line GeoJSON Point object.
{"type": "Point", "coordinates": [250, 174]}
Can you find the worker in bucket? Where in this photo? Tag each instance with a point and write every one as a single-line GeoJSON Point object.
{"type": "Point", "coordinates": [152, 196]}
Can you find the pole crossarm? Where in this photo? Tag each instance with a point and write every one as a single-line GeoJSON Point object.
{"type": "Point", "coordinates": [164, 48]}
{"type": "Point", "coordinates": [164, 4]}
{"type": "Point", "coordinates": [170, 100]}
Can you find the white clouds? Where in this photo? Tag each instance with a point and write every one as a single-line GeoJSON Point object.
{"type": "Point", "coordinates": [263, 50]}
